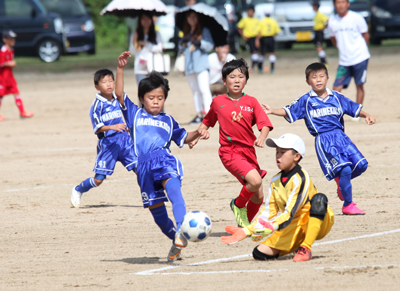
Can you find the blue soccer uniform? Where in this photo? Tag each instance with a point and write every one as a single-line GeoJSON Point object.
{"type": "Point", "coordinates": [112, 145]}
{"type": "Point", "coordinates": [152, 136]}
{"type": "Point", "coordinates": [324, 120]}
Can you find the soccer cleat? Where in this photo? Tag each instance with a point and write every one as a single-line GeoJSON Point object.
{"type": "Point", "coordinates": [174, 254]}
{"type": "Point", "coordinates": [352, 209]}
{"type": "Point", "coordinates": [302, 254]}
{"type": "Point", "coordinates": [180, 240]}
{"type": "Point", "coordinates": [26, 114]}
{"type": "Point", "coordinates": [75, 198]}
{"type": "Point", "coordinates": [2, 118]}
{"type": "Point", "coordinates": [196, 120]}
{"type": "Point", "coordinates": [240, 214]}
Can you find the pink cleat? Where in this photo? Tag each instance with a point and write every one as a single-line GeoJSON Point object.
{"type": "Point", "coordinates": [352, 209]}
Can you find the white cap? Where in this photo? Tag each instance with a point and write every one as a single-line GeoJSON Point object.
{"type": "Point", "coordinates": [288, 141]}
{"type": "Point", "coordinates": [268, 11]}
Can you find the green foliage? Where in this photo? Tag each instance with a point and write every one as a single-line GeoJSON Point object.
{"type": "Point", "coordinates": [111, 31]}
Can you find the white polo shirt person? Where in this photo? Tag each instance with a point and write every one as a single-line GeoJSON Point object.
{"type": "Point", "coordinates": [349, 33]}
{"type": "Point", "coordinates": [217, 61]}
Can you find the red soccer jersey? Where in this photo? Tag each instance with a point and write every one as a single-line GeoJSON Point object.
{"type": "Point", "coordinates": [236, 119]}
{"type": "Point", "coordinates": [5, 72]}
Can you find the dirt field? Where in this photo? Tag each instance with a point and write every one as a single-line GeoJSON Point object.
{"type": "Point", "coordinates": [112, 243]}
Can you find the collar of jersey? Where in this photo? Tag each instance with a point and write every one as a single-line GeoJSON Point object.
{"type": "Point", "coordinates": [101, 98]}
{"type": "Point", "coordinates": [149, 114]}
{"type": "Point", "coordinates": [289, 174]}
{"type": "Point", "coordinates": [227, 94]}
{"type": "Point", "coordinates": [313, 94]}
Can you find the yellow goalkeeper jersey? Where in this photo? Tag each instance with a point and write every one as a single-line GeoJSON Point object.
{"type": "Point", "coordinates": [320, 21]}
{"type": "Point", "coordinates": [250, 26]}
{"type": "Point", "coordinates": [288, 194]}
{"type": "Point", "coordinates": [269, 27]}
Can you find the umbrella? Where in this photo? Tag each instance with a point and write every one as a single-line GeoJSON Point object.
{"type": "Point", "coordinates": [210, 17]}
{"type": "Point", "coordinates": [133, 8]}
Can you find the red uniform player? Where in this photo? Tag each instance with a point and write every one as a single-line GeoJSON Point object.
{"type": "Point", "coordinates": [8, 85]}
{"type": "Point", "coordinates": [236, 113]}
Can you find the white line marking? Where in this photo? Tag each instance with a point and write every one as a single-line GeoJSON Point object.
{"type": "Point", "coordinates": [153, 271]}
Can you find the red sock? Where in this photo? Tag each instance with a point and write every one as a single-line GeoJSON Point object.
{"type": "Point", "coordinates": [252, 210]}
{"type": "Point", "coordinates": [19, 103]}
{"type": "Point", "coordinates": [243, 197]}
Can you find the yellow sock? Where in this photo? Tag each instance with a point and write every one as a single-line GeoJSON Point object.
{"type": "Point", "coordinates": [314, 225]}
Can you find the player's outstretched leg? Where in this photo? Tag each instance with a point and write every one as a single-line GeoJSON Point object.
{"type": "Point", "coordinates": [20, 105]}
{"type": "Point", "coordinates": [349, 207]}
{"type": "Point", "coordinates": [86, 185]}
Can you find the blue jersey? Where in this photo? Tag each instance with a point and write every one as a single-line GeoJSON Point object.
{"type": "Point", "coordinates": [104, 112]}
{"type": "Point", "coordinates": [322, 114]}
{"type": "Point", "coordinates": [151, 132]}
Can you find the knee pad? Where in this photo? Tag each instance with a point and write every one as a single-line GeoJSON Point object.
{"type": "Point", "coordinates": [319, 206]}
{"type": "Point", "coordinates": [272, 59]}
{"type": "Point", "coordinates": [257, 255]}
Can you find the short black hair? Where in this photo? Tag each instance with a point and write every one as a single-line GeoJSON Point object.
{"type": "Point", "coordinates": [232, 65]}
{"type": "Point", "coordinates": [250, 7]}
{"type": "Point", "coordinates": [100, 74]}
{"type": "Point", "coordinates": [314, 67]}
{"type": "Point", "coordinates": [153, 81]}
{"type": "Point", "coordinates": [335, 1]}
{"type": "Point", "coordinates": [316, 4]}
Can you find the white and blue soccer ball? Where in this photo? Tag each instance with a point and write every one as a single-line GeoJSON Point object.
{"type": "Point", "coordinates": [196, 226]}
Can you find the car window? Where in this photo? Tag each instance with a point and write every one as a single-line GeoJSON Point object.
{"type": "Point", "coordinates": [17, 8]}
{"type": "Point", "coordinates": [65, 8]}
{"type": "Point", "coordinates": [393, 6]}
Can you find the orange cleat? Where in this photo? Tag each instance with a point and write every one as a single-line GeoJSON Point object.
{"type": "Point", "coordinates": [26, 114]}
{"type": "Point", "coordinates": [302, 254]}
{"type": "Point", "coordinates": [2, 118]}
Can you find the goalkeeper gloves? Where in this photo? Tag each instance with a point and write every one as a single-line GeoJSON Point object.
{"type": "Point", "coordinates": [238, 234]}
{"type": "Point", "coordinates": [259, 234]}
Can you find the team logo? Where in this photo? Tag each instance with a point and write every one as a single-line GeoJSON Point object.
{"type": "Point", "coordinates": [314, 104]}
{"type": "Point", "coordinates": [145, 196]}
{"type": "Point", "coordinates": [108, 109]}
{"type": "Point", "coordinates": [334, 162]}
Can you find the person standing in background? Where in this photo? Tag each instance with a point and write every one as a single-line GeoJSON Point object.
{"type": "Point", "coordinates": [320, 23]}
{"type": "Point", "coordinates": [217, 60]}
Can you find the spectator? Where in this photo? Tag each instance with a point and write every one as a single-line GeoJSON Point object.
{"type": "Point", "coordinates": [217, 60]}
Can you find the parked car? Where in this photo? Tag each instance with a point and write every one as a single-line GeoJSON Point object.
{"type": "Point", "coordinates": [296, 19]}
{"type": "Point", "coordinates": [79, 27]}
{"type": "Point", "coordinates": [385, 20]}
{"type": "Point", "coordinates": [38, 32]}
{"type": "Point", "coordinates": [362, 7]}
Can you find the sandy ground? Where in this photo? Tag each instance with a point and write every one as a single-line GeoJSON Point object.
{"type": "Point", "coordinates": [112, 243]}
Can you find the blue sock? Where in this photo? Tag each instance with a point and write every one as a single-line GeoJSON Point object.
{"type": "Point", "coordinates": [161, 218]}
{"type": "Point", "coordinates": [86, 185]}
{"type": "Point", "coordinates": [345, 185]}
{"type": "Point", "coordinates": [173, 188]}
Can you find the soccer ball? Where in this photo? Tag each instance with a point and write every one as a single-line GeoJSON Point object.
{"type": "Point", "coordinates": [196, 226]}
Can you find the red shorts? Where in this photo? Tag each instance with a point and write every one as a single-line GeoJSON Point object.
{"type": "Point", "coordinates": [8, 86]}
{"type": "Point", "coordinates": [239, 161]}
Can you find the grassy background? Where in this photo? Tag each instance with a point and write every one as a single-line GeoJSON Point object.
{"type": "Point", "coordinates": [106, 57]}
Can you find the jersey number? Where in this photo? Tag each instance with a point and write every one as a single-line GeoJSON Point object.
{"type": "Point", "coordinates": [102, 164]}
{"type": "Point", "coordinates": [236, 116]}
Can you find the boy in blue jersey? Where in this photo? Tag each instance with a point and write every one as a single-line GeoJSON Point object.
{"type": "Point", "coordinates": [323, 110]}
{"type": "Point", "coordinates": [152, 132]}
{"type": "Point", "coordinates": [114, 143]}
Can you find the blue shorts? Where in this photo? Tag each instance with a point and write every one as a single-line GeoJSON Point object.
{"type": "Point", "coordinates": [335, 150]}
{"type": "Point", "coordinates": [118, 147]}
{"type": "Point", "coordinates": [358, 71]}
{"type": "Point", "coordinates": [152, 169]}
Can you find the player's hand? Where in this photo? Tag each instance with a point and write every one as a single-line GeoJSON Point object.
{"type": "Point", "coordinates": [370, 120]}
{"type": "Point", "coordinates": [238, 234]}
{"type": "Point", "coordinates": [121, 127]}
{"type": "Point", "coordinates": [193, 143]}
{"type": "Point", "coordinates": [123, 59]}
{"type": "Point", "coordinates": [204, 134]}
{"type": "Point", "coordinates": [267, 109]}
{"type": "Point", "coordinates": [259, 142]}
{"type": "Point", "coordinates": [11, 64]}
{"type": "Point", "coordinates": [259, 234]}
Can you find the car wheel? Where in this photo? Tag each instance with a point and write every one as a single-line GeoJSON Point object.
{"type": "Point", "coordinates": [92, 51]}
{"type": "Point", "coordinates": [48, 50]}
{"type": "Point", "coordinates": [375, 41]}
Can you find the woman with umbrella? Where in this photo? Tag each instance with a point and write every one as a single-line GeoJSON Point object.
{"type": "Point", "coordinates": [196, 43]}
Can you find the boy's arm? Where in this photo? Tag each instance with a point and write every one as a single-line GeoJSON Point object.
{"type": "Point", "coordinates": [260, 141]}
{"type": "Point", "coordinates": [193, 137]}
{"type": "Point", "coordinates": [121, 127]}
{"type": "Point", "coordinates": [11, 64]}
{"type": "Point", "coordinates": [269, 110]}
{"type": "Point", "coordinates": [119, 82]}
{"type": "Point", "coordinates": [368, 118]}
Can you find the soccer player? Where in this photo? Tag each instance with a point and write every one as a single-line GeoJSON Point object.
{"type": "Point", "coordinates": [320, 23]}
{"type": "Point", "coordinates": [152, 132]}
{"type": "Point", "coordinates": [248, 27]}
{"type": "Point", "coordinates": [8, 85]}
{"type": "Point", "coordinates": [295, 214]}
{"type": "Point", "coordinates": [236, 113]}
{"type": "Point", "coordinates": [323, 110]}
{"type": "Point", "coordinates": [349, 33]}
{"type": "Point", "coordinates": [266, 42]}
{"type": "Point", "coordinates": [114, 143]}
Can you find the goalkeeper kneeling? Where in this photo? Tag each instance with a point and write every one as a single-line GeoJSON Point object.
{"type": "Point", "coordinates": [294, 215]}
